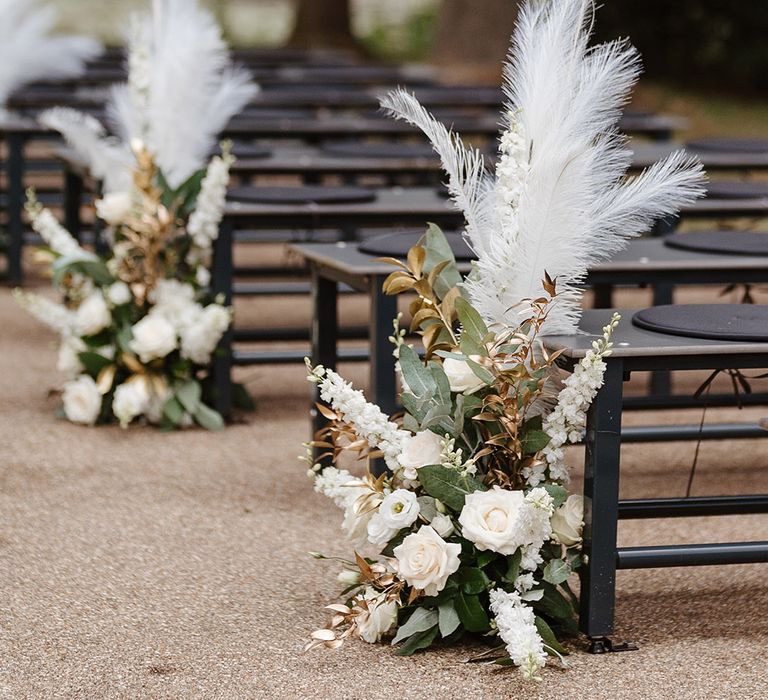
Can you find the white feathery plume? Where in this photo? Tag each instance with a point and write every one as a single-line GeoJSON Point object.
{"type": "Point", "coordinates": [467, 178]}
{"type": "Point", "coordinates": [108, 159]}
{"type": "Point", "coordinates": [186, 92]}
{"type": "Point", "coordinates": [28, 52]}
{"type": "Point", "coordinates": [181, 92]}
{"type": "Point", "coordinates": [560, 201]}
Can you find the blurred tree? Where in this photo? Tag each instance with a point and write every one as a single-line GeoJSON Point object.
{"type": "Point", "coordinates": [472, 38]}
{"type": "Point", "coordinates": [323, 24]}
{"type": "Point", "coordinates": [717, 44]}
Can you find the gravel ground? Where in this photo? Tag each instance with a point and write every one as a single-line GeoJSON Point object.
{"type": "Point", "coordinates": [148, 565]}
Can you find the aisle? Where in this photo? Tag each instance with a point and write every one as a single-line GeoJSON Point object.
{"type": "Point", "coordinates": [147, 565]}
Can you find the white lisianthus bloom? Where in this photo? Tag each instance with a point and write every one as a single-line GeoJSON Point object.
{"type": "Point", "coordinates": [114, 207]}
{"type": "Point", "coordinates": [461, 377]}
{"type": "Point", "coordinates": [153, 337]}
{"type": "Point", "coordinates": [82, 400]}
{"type": "Point", "coordinates": [419, 450]}
{"type": "Point", "coordinates": [68, 360]}
{"type": "Point", "coordinates": [399, 509]}
{"type": "Point", "coordinates": [200, 338]}
{"type": "Point", "coordinates": [442, 525]}
{"type": "Point", "coordinates": [119, 293]}
{"type": "Point", "coordinates": [377, 615]}
{"type": "Point", "coordinates": [92, 315]}
{"type": "Point", "coordinates": [131, 400]}
{"type": "Point", "coordinates": [568, 521]}
{"type": "Point", "coordinates": [494, 520]}
{"type": "Point", "coordinates": [425, 560]}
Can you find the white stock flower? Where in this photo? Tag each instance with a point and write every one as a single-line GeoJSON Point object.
{"type": "Point", "coordinates": [338, 485]}
{"type": "Point", "coordinates": [399, 509]}
{"type": "Point", "coordinates": [201, 336]}
{"type": "Point", "coordinates": [203, 276]}
{"type": "Point", "coordinates": [425, 560]}
{"type": "Point", "coordinates": [82, 400]}
{"type": "Point", "coordinates": [54, 315]}
{"type": "Point", "coordinates": [204, 221]}
{"type": "Point", "coordinates": [131, 399]}
{"type": "Point", "coordinates": [568, 521]}
{"type": "Point", "coordinates": [516, 623]}
{"type": "Point", "coordinates": [68, 360]}
{"type": "Point", "coordinates": [368, 420]}
{"type": "Point", "coordinates": [93, 314]}
{"type": "Point", "coordinates": [502, 521]}
{"type": "Point", "coordinates": [119, 293]}
{"type": "Point", "coordinates": [377, 615]}
{"type": "Point", "coordinates": [442, 525]}
{"type": "Point", "coordinates": [153, 337]}
{"type": "Point", "coordinates": [460, 376]}
{"type": "Point", "coordinates": [56, 237]}
{"type": "Point", "coordinates": [114, 207]}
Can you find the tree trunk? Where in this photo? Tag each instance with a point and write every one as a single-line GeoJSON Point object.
{"type": "Point", "coordinates": [472, 38]}
{"type": "Point", "coordinates": [323, 24]}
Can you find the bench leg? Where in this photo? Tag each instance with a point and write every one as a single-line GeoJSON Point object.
{"type": "Point", "coordinates": [382, 385]}
{"type": "Point", "coordinates": [15, 205]}
{"type": "Point", "coordinates": [325, 334]}
{"type": "Point", "coordinates": [222, 287]}
{"type": "Point", "coordinates": [601, 505]}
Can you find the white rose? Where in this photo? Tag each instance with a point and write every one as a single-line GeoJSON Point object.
{"type": "Point", "coordinates": [495, 520]}
{"type": "Point", "coordinates": [426, 560]}
{"type": "Point", "coordinates": [131, 399]}
{"type": "Point", "coordinates": [442, 525]}
{"type": "Point", "coordinates": [154, 336]}
{"type": "Point", "coordinates": [119, 293]}
{"type": "Point", "coordinates": [568, 521]}
{"type": "Point", "coordinates": [200, 338]}
{"type": "Point", "coordinates": [460, 376]}
{"type": "Point", "coordinates": [399, 509]}
{"type": "Point", "coordinates": [114, 207]}
{"type": "Point", "coordinates": [68, 360]}
{"type": "Point", "coordinates": [82, 400]}
{"type": "Point", "coordinates": [419, 450]}
{"type": "Point", "coordinates": [92, 315]}
{"type": "Point", "coordinates": [377, 617]}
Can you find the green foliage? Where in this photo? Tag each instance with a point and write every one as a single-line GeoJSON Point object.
{"type": "Point", "coordinates": [448, 485]}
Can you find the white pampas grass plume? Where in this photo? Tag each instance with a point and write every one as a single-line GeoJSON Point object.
{"type": "Point", "coordinates": [29, 52]}
{"type": "Point", "coordinates": [182, 88]}
{"type": "Point", "coordinates": [560, 201]}
{"type": "Point", "coordinates": [108, 159]}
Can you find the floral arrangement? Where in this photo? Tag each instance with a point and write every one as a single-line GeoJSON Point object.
{"type": "Point", "coordinates": [470, 529]}
{"type": "Point", "coordinates": [138, 325]}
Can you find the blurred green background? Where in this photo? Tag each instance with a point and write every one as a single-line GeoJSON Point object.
{"type": "Point", "coordinates": [705, 59]}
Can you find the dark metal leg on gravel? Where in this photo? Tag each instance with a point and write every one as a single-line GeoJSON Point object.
{"type": "Point", "coordinates": [601, 508]}
{"type": "Point", "coordinates": [325, 333]}
{"type": "Point", "coordinates": [222, 286]}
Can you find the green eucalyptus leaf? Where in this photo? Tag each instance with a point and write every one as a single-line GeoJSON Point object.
{"type": "Point", "coordinates": [448, 486]}
{"type": "Point", "coordinates": [418, 378]}
{"type": "Point", "coordinates": [173, 411]}
{"type": "Point", "coordinates": [421, 640]}
{"type": "Point", "coordinates": [93, 362]}
{"type": "Point", "coordinates": [208, 418]}
{"type": "Point", "coordinates": [421, 620]}
{"type": "Point", "coordinates": [427, 507]}
{"type": "Point", "coordinates": [471, 321]}
{"type": "Point", "coordinates": [556, 571]}
{"type": "Point", "coordinates": [448, 620]}
{"type": "Point", "coordinates": [189, 395]}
